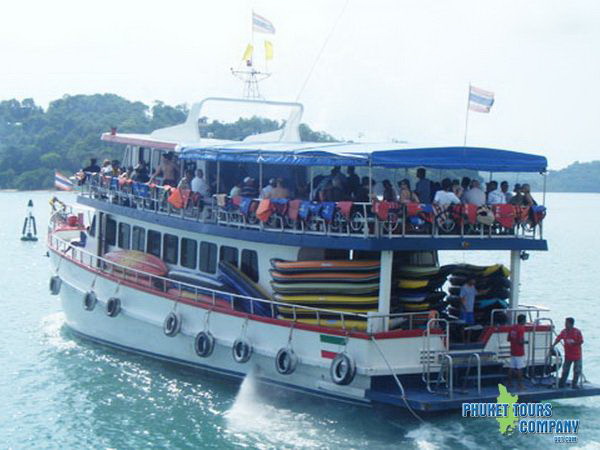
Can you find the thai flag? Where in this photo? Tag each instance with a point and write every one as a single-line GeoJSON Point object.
{"type": "Point", "coordinates": [61, 182]}
{"type": "Point", "coordinates": [480, 100]}
{"type": "Point", "coordinates": [262, 25]}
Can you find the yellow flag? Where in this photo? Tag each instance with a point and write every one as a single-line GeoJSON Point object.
{"type": "Point", "coordinates": [248, 53]}
{"type": "Point", "coordinates": [268, 50]}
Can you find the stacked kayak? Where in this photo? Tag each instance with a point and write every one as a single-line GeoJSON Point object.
{"type": "Point", "coordinates": [492, 283]}
{"type": "Point", "coordinates": [337, 285]}
{"type": "Point", "coordinates": [418, 288]}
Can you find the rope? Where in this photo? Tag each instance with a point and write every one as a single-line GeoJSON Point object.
{"type": "Point", "coordinates": [412, 411]}
{"type": "Point", "coordinates": [322, 49]}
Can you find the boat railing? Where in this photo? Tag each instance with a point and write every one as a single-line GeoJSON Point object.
{"type": "Point", "coordinates": [500, 316]}
{"type": "Point", "coordinates": [379, 219]}
{"type": "Point", "coordinates": [214, 298]}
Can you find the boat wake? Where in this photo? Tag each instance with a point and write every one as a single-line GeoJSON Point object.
{"type": "Point", "coordinates": [430, 437]}
{"type": "Point", "coordinates": [52, 328]}
{"type": "Point", "coordinates": [256, 422]}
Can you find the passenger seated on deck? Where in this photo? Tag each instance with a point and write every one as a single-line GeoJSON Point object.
{"type": "Point", "coordinates": [279, 191]}
{"type": "Point", "coordinates": [92, 168]}
{"type": "Point", "coordinates": [199, 185]}
{"type": "Point", "coordinates": [236, 190]}
{"type": "Point", "coordinates": [106, 168]}
{"type": "Point", "coordinates": [528, 199]}
{"type": "Point", "coordinates": [518, 199]}
{"type": "Point", "coordinates": [475, 195]}
{"type": "Point", "coordinates": [516, 337]}
{"type": "Point", "coordinates": [507, 194]}
{"type": "Point", "coordinates": [362, 193]}
{"type": "Point", "coordinates": [457, 189]}
{"type": "Point", "coordinates": [249, 188]}
{"type": "Point", "coordinates": [445, 196]}
{"type": "Point", "coordinates": [495, 195]}
{"type": "Point", "coordinates": [140, 172]}
{"type": "Point", "coordinates": [405, 194]}
{"type": "Point", "coordinates": [185, 184]}
{"type": "Point", "coordinates": [266, 191]}
{"type": "Point", "coordinates": [388, 191]}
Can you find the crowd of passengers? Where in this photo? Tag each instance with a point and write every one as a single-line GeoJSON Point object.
{"type": "Point", "coordinates": [334, 187]}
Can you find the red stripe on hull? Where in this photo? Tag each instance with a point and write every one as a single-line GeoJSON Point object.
{"type": "Point", "coordinates": [328, 355]}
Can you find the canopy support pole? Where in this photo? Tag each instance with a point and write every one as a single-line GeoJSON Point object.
{"type": "Point", "coordinates": [260, 175]}
{"type": "Point", "coordinates": [310, 175]}
{"type": "Point", "coordinates": [385, 288]}
{"type": "Point", "coordinates": [515, 278]}
{"type": "Point", "coordinates": [218, 177]}
{"type": "Point", "coordinates": [544, 193]}
{"type": "Point", "coordinates": [370, 181]}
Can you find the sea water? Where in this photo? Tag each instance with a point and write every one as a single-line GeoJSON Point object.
{"type": "Point", "coordinates": [59, 391]}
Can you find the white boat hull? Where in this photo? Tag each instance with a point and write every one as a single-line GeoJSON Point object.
{"type": "Point", "coordinates": [139, 328]}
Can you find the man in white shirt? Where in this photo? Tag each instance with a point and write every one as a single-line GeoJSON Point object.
{"type": "Point", "coordinates": [199, 184]}
{"type": "Point", "coordinates": [446, 197]}
{"type": "Point", "coordinates": [266, 191]}
{"type": "Point", "coordinates": [474, 195]}
{"type": "Point", "coordinates": [495, 195]}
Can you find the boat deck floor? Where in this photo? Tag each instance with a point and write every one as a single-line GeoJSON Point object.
{"type": "Point", "coordinates": [420, 399]}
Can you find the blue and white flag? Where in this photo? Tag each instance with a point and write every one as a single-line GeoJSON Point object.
{"type": "Point", "coordinates": [61, 182]}
{"type": "Point", "coordinates": [480, 100]}
{"type": "Point", "coordinates": [262, 25]}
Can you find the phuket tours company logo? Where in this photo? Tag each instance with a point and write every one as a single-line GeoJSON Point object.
{"type": "Point", "coordinates": [524, 418]}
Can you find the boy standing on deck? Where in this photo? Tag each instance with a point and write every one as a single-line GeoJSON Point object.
{"type": "Point", "coordinates": [572, 340]}
{"type": "Point", "coordinates": [516, 337]}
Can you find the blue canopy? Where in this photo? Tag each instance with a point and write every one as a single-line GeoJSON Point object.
{"type": "Point", "coordinates": [377, 155]}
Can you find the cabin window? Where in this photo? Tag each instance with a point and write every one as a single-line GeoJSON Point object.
{"type": "Point", "coordinates": [153, 243]}
{"type": "Point", "coordinates": [111, 231]}
{"type": "Point", "coordinates": [92, 231]}
{"type": "Point", "coordinates": [189, 252]}
{"type": "Point", "coordinates": [250, 264]}
{"type": "Point", "coordinates": [208, 257]}
{"type": "Point", "coordinates": [138, 238]}
{"type": "Point", "coordinates": [124, 235]}
{"type": "Point", "coordinates": [170, 248]}
{"type": "Point", "coordinates": [229, 254]}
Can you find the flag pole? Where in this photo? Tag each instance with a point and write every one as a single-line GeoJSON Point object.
{"type": "Point", "coordinates": [467, 116]}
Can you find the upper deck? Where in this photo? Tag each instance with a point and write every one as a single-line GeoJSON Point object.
{"type": "Point", "coordinates": [375, 226]}
{"type": "Point", "coordinates": [349, 224]}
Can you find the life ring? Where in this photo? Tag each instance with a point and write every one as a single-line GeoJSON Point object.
{"type": "Point", "coordinates": [90, 300]}
{"type": "Point", "coordinates": [286, 361]}
{"type": "Point", "coordinates": [172, 324]}
{"type": "Point", "coordinates": [113, 307]}
{"type": "Point", "coordinates": [342, 369]}
{"type": "Point", "coordinates": [55, 283]}
{"type": "Point", "coordinates": [204, 344]}
{"type": "Point", "coordinates": [241, 350]}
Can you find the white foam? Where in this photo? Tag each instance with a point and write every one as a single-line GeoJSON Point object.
{"type": "Point", "coordinates": [251, 416]}
{"type": "Point", "coordinates": [51, 328]}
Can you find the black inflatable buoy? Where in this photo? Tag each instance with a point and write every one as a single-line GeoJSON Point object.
{"type": "Point", "coordinates": [29, 232]}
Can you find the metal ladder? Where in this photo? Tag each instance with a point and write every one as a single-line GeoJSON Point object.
{"type": "Point", "coordinates": [434, 358]}
{"type": "Point", "coordinates": [534, 348]}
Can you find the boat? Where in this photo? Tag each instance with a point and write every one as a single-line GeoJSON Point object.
{"type": "Point", "coordinates": [335, 300]}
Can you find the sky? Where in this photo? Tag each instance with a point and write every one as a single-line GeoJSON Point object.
{"type": "Point", "coordinates": [395, 69]}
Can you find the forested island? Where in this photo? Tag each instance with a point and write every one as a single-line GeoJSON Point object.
{"type": "Point", "coordinates": [34, 142]}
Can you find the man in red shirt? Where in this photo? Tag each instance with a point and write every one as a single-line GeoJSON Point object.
{"type": "Point", "coordinates": [516, 337]}
{"type": "Point", "coordinates": [572, 341]}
